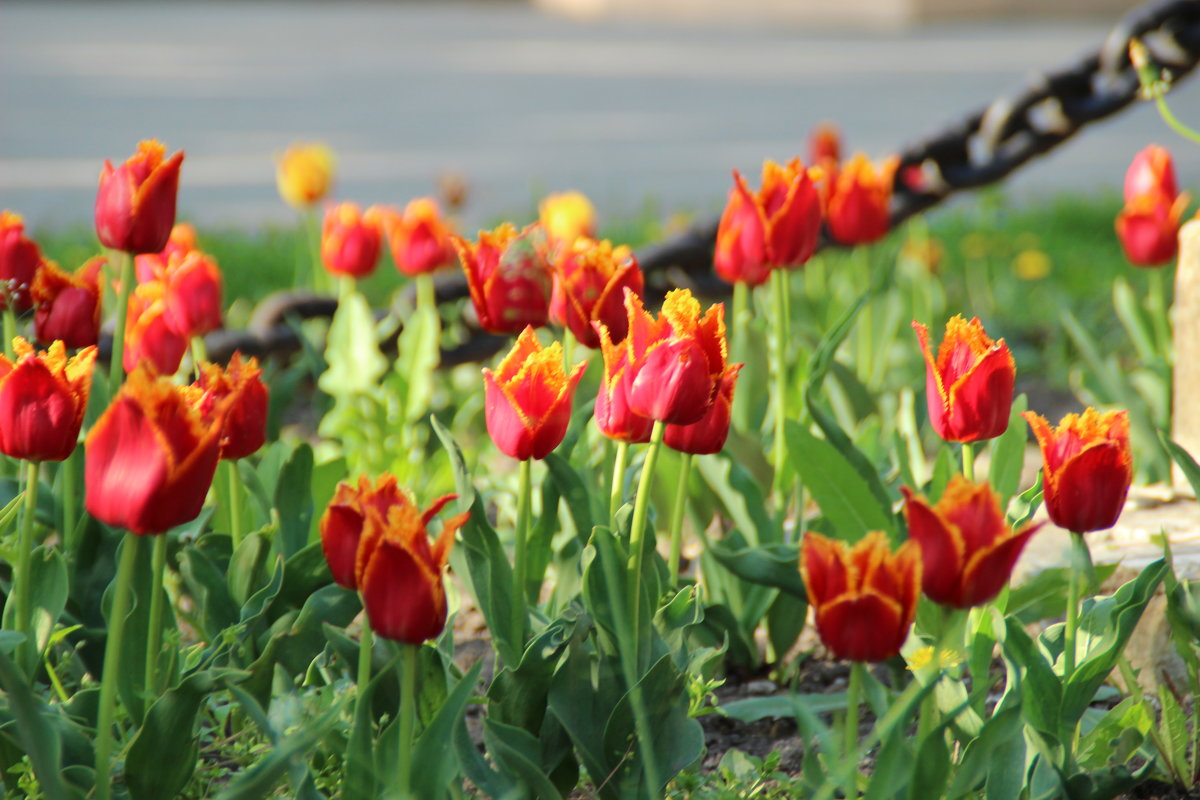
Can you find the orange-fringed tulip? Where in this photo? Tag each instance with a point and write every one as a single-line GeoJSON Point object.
{"type": "Point", "coordinates": [967, 548]}
{"type": "Point", "coordinates": [676, 361]}
{"type": "Point", "coordinates": [66, 305]}
{"type": "Point", "coordinates": [1148, 229]}
{"type": "Point", "coordinates": [613, 416]}
{"type": "Point", "coordinates": [151, 456]}
{"type": "Point", "coordinates": [304, 173]}
{"type": "Point", "coordinates": [527, 400]}
{"type": "Point", "coordinates": [149, 335]}
{"type": "Point", "coordinates": [709, 434]}
{"type": "Point", "coordinates": [351, 239]}
{"type": "Point", "coordinates": [42, 400]}
{"type": "Point", "coordinates": [152, 266]}
{"type": "Point", "coordinates": [777, 227]}
{"type": "Point", "coordinates": [1152, 173]}
{"type": "Point", "coordinates": [857, 210]}
{"type": "Point", "coordinates": [566, 216]}
{"type": "Point", "coordinates": [509, 278]}
{"type": "Point", "coordinates": [344, 518]}
{"type": "Point", "coordinates": [246, 409]}
{"type": "Point", "coordinates": [399, 570]}
{"type": "Point", "coordinates": [20, 259]}
{"type": "Point", "coordinates": [864, 597]}
{"type": "Point", "coordinates": [135, 204]}
{"type": "Point", "coordinates": [192, 294]}
{"type": "Point", "coordinates": [969, 387]}
{"type": "Point", "coordinates": [1087, 468]}
{"type": "Point", "coordinates": [419, 237]}
{"type": "Point", "coordinates": [589, 286]}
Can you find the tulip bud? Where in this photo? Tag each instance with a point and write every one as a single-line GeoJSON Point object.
{"type": "Point", "coordinates": [135, 204]}
{"type": "Point", "coordinates": [825, 144]}
{"type": "Point", "coordinates": [151, 456]}
{"type": "Point", "coordinates": [67, 307]}
{"type": "Point", "coordinates": [528, 398]}
{"type": "Point", "coordinates": [148, 333]}
{"type": "Point", "coordinates": [304, 174]}
{"type": "Point", "coordinates": [192, 294]}
{"type": "Point", "coordinates": [419, 237]}
{"type": "Point", "coordinates": [342, 523]}
{"type": "Point", "coordinates": [1087, 468]}
{"type": "Point", "coordinates": [1151, 173]}
{"type": "Point", "coordinates": [509, 278]}
{"type": "Point", "coordinates": [859, 197]}
{"type": "Point", "coordinates": [969, 387]}
{"type": "Point", "coordinates": [43, 397]}
{"type": "Point", "coordinates": [351, 239]}
{"type": "Point", "coordinates": [613, 416]}
{"type": "Point", "coordinates": [864, 597]}
{"type": "Point", "coordinates": [20, 259]}
{"type": "Point", "coordinates": [589, 286]}
{"type": "Point", "coordinates": [246, 409]}
{"type": "Point", "coordinates": [1148, 229]}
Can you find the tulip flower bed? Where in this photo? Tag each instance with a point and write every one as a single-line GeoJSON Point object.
{"type": "Point", "coordinates": [559, 573]}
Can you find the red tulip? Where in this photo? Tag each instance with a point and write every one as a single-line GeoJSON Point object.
{"type": "Point", "coordinates": [967, 548]}
{"type": "Point", "coordinates": [864, 597]}
{"type": "Point", "coordinates": [1148, 228]}
{"type": "Point", "coordinates": [676, 361]}
{"type": "Point", "coordinates": [1087, 468]}
{"type": "Point", "coordinates": [351, 239]}
{"type": "Point", "coordinates": [246, 410]}
{"type": "Point", "coordinates": [528, 398]}
{"type": "Point", "coordinates": [613, 416]}
{"type": "Point", "coordinates": [42, 400]}
{"type": "Point", "coordinates": [400, 572]}
{"type": "Point", "coordinates": [192, 294]}
{"type": "Point", "coordinates": [859, 197]}
{"type": "Point", "coordinates": [825, 144]}
{"type": "Point", "coordinates": [969, 387]}
{"type": "Point", "coordinates": [509, 278]}
{"type": "Point", "coordinates": [342, 523]}
{"type": "Point", "coordinates": [149, 334]}
{"type": "Point", "coordinates": [709, 434]}
{"type": "Point", "coordinates": [589, 286]}
{"type": "Point", "coordinates": [151, 456]}
{"type": "Point", "coordinates": [135, 204]}
{"type": "Point", "coordinates": [20, 259]}
{"type": "Point", "coordinates": [778, 227]}
{"type": "Point", "coordinates": [67, 306]}
{"type": "Point", "coordinates": [153, 266]}
{"type": "Point", "coordinates": [419, 237]}
{"type": "Point", "coordinates": [1151, 173]}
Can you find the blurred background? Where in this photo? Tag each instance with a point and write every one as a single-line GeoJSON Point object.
{"type": "Point", "coordinates": [644, 105]}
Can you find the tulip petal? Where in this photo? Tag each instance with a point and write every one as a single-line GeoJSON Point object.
{"type": "Point", "coordinates": [866, 627]}
{"type": "Point", "coordinates": [988, 570]}
{"type": "Point", "coordinates": [404, 599]}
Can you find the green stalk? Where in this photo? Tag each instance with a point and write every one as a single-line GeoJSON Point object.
{"type": "Point", "coordinates": [112, 664]}
{"type": "Point", "coordinates": [968, 459]}
{"type": "Point", "coordinates": [865, 336]}
{"type": "Point", "coordinates": [641, 511]}
{"type": "Point", "coordinates": [1081, 563]}
{"type": "Point", "coordinates": [199, 354]}
{"type": "Point", "coordinates": [116, 364]}
{"type": "Point", "coordinates": [850, 734]}
{"type": "Point", "coordinates": [521, 536]}
{"type": "Point", "coordinates": [1169, 117]}
{"type": "Point", "coordinates": [779, 290]}
{"type": "Point", "coordinates": [685, 470]}
{"type": "Point", "coordinates": [741, 313]}
{"type": "Point", "coordinates": [365, 642]}
{"type": "Point", "coordinates": [27, 650]}
{"type": "Point", "coordinates": [408, 713]}
{"type": "Point", "coordinates": [69, 486]}
{"type": "Point", "coordinates": [154, 645]}
{"type": "Point", "coordinates": [235, 504]}
{"type": "Point", "coordinates": [427, 298]}
{"type": "Point", "coordinates": [10, 329]}
{"type": "Point", "coordinates": [312, 233]}
{"type": "Point", "coordinates": [1159, 314]}
{"type": "Point", "coordinates": [615, 491]}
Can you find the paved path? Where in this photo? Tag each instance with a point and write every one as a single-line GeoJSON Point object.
{"type": "Point", "coordinates": [518, 101]}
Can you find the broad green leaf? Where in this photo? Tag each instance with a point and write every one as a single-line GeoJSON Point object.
{"type": "Point", "coordinates": [351, 350]}
{"type": "Point", "coordinates": [571, 488]}
{"type": "Point", "coordinates": [1008, 453]}
{"type": "Point", "coordinates": [35, 733]}
{"type": "Point", "coordinates": [1187, 465]}
{"type": "Point", "coordinates": [262, 779]}
{"type": "Point", "coordinates": [843, 496]}
{"type": "Point", "coordinates": [978, 760]}
{"type": "Point", "coordinates": [741, 496]}
{"type": "Point", "coordinates": [162, 755]}
{"type": "Point", "coordinates": [216, 608]}
{"type": "Point", "coordinates": [293, 499]}
{"type": "Point", "coordinates": [248, 567]}
{"type": "Point", "coordinates": [1117, 736]}
{"type": "Point", "coordinates": [417, 358]}
{"type": "Point", "coordinates": [781, 706]}
{"type": "Point", "coordinates": [1173, 730]}
{"type": "Point", "coordinates": [433, 750]}
{"type": "Point", "coordinates": [774, 565]}
{"type": "Point", "coordinates": [48, 595]}
{"type": "Point", "coordinates": [1042, 692]}
{"type": "Point", "coordinates": [518, 753]}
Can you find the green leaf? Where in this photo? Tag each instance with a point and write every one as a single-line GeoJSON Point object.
{"type": "Point", "coordinates": [518, 752]}
{"type": "Point", "coordinates": [458, 465]}
{"type": "Point", "coordinates": [571, 488]}
{"type": "Point", "coordinates": [162, 755]}
{"type": "Point", "coordinates": [48, 595]}
{"type": "Point", "coordinates": [774, 565]}
{"type": "Point", "coordinates": [1008, 454]}
{"type": "Point", "coordinates": [742, 497]}
{"type": "Point", "coordinates": [351, 350]}
{"type": "Point", "coordinates": [262, 778]}
{"type": "Point", "coordinates": [1187, 465]}
{"type": "Point", "coordinates": [582, 696]}
{"type": "Point", "coordinates": [1041, 690]}
{"type": "Point", "coordinates": [248, 567]}
{"type": "Point", "coordinates": [491, 580]}
{"type": "Point", "coordinates": [845, 498]}
{"type": "Point", "coordinates": [417, 358]}
{"type": "Point", "coordinates": [293, 499]}
{"type": "Point", "coordinates": [980, 756]}
{"type": "Point", "coordinates": [1174, 728]}
{"type": "Point", "coordinates": [210, 591]}
{"type": "Point", "coordinates": [944, 468]}
{"type": "Point", "coordinates": [36, 735]}
{"type": "Point", "coordinates": [434, 751]}
{"type": "Point", "coordinates": [781, 706]}
{"type": "Point", "coordinates": [303, 573]}
{"type": "Point", "coordinates": [1133, 317]}
{"type": "Point", "coordinates": [1117, 736]}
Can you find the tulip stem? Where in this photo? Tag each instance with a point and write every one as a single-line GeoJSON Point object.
{"type": "Point", "coordinates": [112, 664]}
{"type": "Point", "coordinates": [235, 504]}
{"type": "Point", "coordinates": [199, 354]}
{"type": "Point", "coordinates": [685, 471]}
{"type": "Point", "coordinates": [312, 235]}
{"type": "Point", "coordinates": [741, 316]}
{"type": "Point", "coordinates": [154, 645]}
{"type": "Point", "coordinates": [365, 642]}
{"type": "Point", "coordinates": [26, 653]}
{"type": "Point", "coordinates": [641, 511]}
{"type": "Point", "coordinates": [1157, 302]}
{"type": "Point", "coordinates": [70, 512]}
{"type": "Point", "coordinates": [408, 713]}
{"type": "Point", "coordinates": [1081, 560]}
{"type": "Point", "coordinates": [616, 492]}
{"type": "Point", "coordinates": [10, 328]}
{"type": "Point", "coordinates": [427, 298]}
{"type": "Point", "coordinates": [968, 459]}
{"type": "Point", "coordinates": [853, 695]}
{"type": "Point", "coordinates": [521, 536]}
{"type": "Point", "coordinates": [779, 287]}
{"type": "Point", "coordinates": [116, 364]}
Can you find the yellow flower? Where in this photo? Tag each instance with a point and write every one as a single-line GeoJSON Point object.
{"type": "Point", "coordinates": [1031, 265]}
{"type": "Point", "coordinates": [304, 173]}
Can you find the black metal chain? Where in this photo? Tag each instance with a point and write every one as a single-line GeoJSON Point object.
{"type": "Point", "coordinates": [980, 149]}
